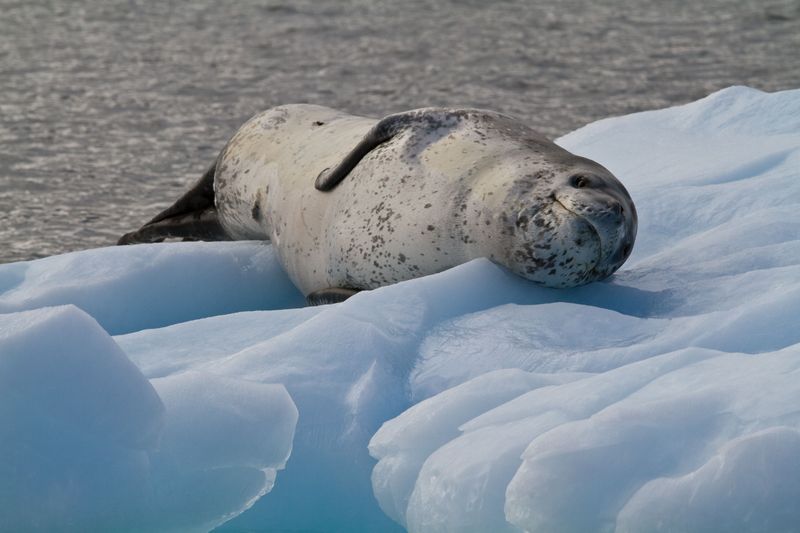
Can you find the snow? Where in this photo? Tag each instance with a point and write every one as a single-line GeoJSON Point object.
{"type": "Point", "coordinates": [664, 399]}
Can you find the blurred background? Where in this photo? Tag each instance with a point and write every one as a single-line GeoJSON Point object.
{"type": "Point", "coordinates": [110, 109]}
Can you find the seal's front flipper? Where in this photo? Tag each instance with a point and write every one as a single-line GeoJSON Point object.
{"type": "Point", "coordinates": [384, 130]}
{"type": "Point", "coordinates": [332, 295]}
{"type": "Point", "coordinates": [193, 217]}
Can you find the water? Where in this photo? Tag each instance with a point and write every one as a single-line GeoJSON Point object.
{"type": "Point", "coordinates": [109, 109]}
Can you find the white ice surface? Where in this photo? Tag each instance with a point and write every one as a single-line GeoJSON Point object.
{"type": "Point", "coordinates": [664, 399]}
{"type": "Point", "coordinates": [128, 289]}
{"type": "Point", "coordinates": [89, 444]}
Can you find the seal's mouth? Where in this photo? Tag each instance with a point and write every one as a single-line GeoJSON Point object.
{"type": "Point", "coordinates": [594, 272]}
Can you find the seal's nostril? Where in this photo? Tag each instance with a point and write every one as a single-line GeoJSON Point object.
{"type": "Point", "coordinates": [626, 249]}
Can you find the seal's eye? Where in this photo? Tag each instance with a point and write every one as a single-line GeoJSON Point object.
{"type": "Point", "coordinates": [580, 182]}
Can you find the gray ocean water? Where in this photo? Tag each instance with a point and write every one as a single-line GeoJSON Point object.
{"type": "Point", "coordinates": [108, 109]}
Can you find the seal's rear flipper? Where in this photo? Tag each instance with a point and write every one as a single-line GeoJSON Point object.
{"type": "Point", "coordinates": [194, 226]}
{"type": "Point", "coordinates": [332, 295]}
{"type": "Point", "coordinates": [192, 217]}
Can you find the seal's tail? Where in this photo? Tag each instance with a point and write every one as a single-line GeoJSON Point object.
{"type": "Point", "coordinates": [193, 217]}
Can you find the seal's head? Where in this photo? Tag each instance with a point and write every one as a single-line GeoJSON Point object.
{"type": "Point", "coordinates": [570, 224]}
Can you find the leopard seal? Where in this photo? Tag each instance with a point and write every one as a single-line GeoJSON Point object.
{"type": "Point", "coordinates": [353, 203]}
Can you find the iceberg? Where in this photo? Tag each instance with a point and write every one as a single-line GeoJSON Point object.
{"type": "Point", "coordinates": [184, 386]}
